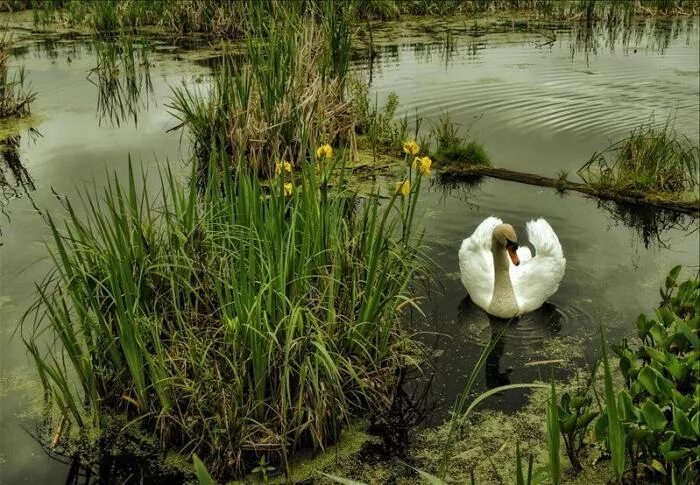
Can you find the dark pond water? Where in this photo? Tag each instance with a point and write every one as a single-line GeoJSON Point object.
{"type": "Point", "coordinates": [536, 106]}
{"type": "Point", "coordinates": [542, 107]}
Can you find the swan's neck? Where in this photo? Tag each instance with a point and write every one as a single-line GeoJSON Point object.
{"type": "Point", "coordinates": [503, 302]}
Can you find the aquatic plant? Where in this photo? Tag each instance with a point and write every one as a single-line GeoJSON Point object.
{"type": "Point", "coordinates": [375, 125]}
{"type": "Point", "coordinates": [238, 323]}
{"type": "Point", "coordinates": [658, 407]}
{"type": "Point", "coordinates": [287, 93]}
{"type": "Point", "coordinates": [453, 149]}
{"type": "Point", "coordinates": [15, 94]}
{"type": "Point", "coordinates": [651, 159]}
{"type": "Point", "coordinates": [575, 416]}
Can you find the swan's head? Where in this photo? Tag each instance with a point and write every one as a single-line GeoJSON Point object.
{"type": "Point", "coordinates": [504, 235]}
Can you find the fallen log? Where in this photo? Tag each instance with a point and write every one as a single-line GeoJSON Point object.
{"type": "Point", "coordinates": [467, 171]}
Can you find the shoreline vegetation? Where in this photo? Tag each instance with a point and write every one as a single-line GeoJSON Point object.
{"type": "Point", "coordinates": [15, 94]}
{"type": "Point", "coordinates": [228, 18]}
{"type": "Point", "coordinates": [256, 309]}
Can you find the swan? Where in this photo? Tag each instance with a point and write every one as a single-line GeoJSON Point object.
{"type": "Point", "coordinates": [508, 290]}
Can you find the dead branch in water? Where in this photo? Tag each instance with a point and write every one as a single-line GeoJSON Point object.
{"type": "Point", "coordinates": [687, 207]}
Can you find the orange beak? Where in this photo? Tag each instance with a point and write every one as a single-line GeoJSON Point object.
{"type": "Point", "coordinates": [512, 248]}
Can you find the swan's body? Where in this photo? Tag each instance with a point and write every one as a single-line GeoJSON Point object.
{"type": "Point", "coordinates": [507, 290]}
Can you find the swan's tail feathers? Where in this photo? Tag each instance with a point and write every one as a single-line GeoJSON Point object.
{"type": "Point", "coordinates": [544, 239]}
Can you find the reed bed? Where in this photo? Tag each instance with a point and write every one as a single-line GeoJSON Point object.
{"type": "Point", "coordinates": [247, 321]}
{"type": "Point", "coordinates": [15, 94]}
{"type": "Point", "coordinates": [652, 159]}
{"type": "Point", "coordinates": [228, 17]}
{"type": "Point", "coordinates": [290, 88]}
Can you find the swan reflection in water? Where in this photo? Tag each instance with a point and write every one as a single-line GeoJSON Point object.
{"type": "Point", "coordinates": [521, 335]}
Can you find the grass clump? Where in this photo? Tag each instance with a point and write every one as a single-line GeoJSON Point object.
{"type": "Point", "coordinates": [15, 95]}
{"type": "Point", "coordinates": [241, 323]}
{"type": "Point", "coordinates": [452, 149]}
{"type": "Point", "coordinates": [651, 160]}
{"type": "Point", "coordinates": [291, 89]}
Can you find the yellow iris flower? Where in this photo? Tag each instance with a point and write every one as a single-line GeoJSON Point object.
{"type": "Point", "coordinates": [286, 166]}
{"type": "Point", "coordinates": [288, 188]}
{"type": "Point", "coordinates": [411, 147]}
{"type": "Point", "coordinates": [422, 164]}
{"type": "Point", "coordinates": [403, 188]}
{"type": "Point", "coordinates": [324, 151]}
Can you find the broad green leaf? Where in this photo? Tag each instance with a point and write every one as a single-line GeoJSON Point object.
{"type": "Point", "coordinates": [681, 424]}
{"type": "Point", "coordinates": [689, 334]}
{"type": "Point", "coordinates": [568, 424]}
{"type": "Point", "coordinates": [655, 354]}
{"type": "Point", "coordinates": [676, 368]}
{"type": "Point", "coordinates": [580, 401]}
{"type": "Point", "coordinates": [683, 402]}
{"type": "Point", "coordinates": [628, 411]}
{"type": "Point", "coordinates": [585, 419]}
{"type": "Point", "coordinates": [639, 434]}
{"type": "Point", "coordinates": [203, 477]}
{"type": "Point", "coordinates": [647, 378]}
{"type": "Point", "coordinates": [658, 334]}
{"type": "Point", "coordinates": [653, 416]}
{"type": "Point", "coordinates": [695, 423]}
{"type": "Point", "coordinates": [643, 326]}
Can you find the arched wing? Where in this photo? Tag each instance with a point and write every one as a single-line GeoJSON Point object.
{"type": "Point", "coordinates": [539, 278]}
{"type": "Point", "coordinates": [476, 262]}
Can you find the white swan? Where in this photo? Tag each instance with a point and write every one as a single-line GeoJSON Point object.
{"type": "Point", "coordinates": [507, 290]}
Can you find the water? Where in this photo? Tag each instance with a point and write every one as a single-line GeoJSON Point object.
{"type": "Point", "coordinates": [83, 136]}
{"type": "Point", "coordinates": [537, 109]}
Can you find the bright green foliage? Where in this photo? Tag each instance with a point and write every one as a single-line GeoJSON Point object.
{"type": "Point", "coordinates": [290, 90]}
{"type": "Point", "coordinates": [575, 415]}
{"type": "Point", "coordinates": [553, 437]}
{"type": "Point", "coordinates": [203, 477]}
{"type": "Point", "coordinates": [610, 421]}
{"type": "Point", "coordinates": [247, 320]}
{"type": "Point", "coordinates": [451, 148]}
{"type": "Point", "coordinates": [651, 159]}
{"type": "Point", "coordinates": [15, 95]}
{"type": "Point", "coordinates": [660, 405]}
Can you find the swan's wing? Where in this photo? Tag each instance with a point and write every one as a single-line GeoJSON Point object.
{"type": "Point", "coordinates": [476, 262]}
{"type": "Point", "coordinates": [539, 278]}
{"type": "Point", "coordinates": [524, 254]}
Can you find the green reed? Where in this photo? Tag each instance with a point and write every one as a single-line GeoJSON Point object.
{"type": "Point", "coordinates": [452, 148]}
{"type": "Point", "coordinates": [246, 321]}
{"type": "Point", "coordinates": [15, 94]}
{"type": "Point", "coordinates": [261, 112]}
{"type": "Point", "coordinates": [651, 159]}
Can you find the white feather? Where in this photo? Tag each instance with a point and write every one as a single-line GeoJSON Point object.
{"type": "Point", "coordinates": [476, 262]}
{"type": "Point", "coordinates": [539, 278]}
{"type": "Point", "coordinates": [534, 280]}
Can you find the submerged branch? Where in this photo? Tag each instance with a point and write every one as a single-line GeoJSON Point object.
{"type": "Point", "coordinates": [633, 197]}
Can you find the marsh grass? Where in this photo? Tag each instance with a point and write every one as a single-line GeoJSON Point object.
{"type": "Point", "coordinates": [238, 323]}
{"type": "Point", "coordinates": [15, 94]}
{"type": "Point", "coordinates": [651, 160]}
{"type": "Point", "coordinates": [288, 90]}
{"type": "Point", "coordinates": [453, 149]}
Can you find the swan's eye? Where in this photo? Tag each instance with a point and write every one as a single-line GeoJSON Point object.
{"type": "Point", "coordinates": [511, 245]}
